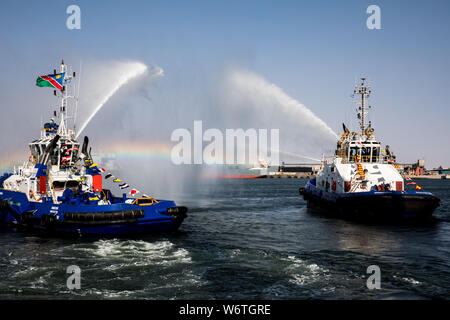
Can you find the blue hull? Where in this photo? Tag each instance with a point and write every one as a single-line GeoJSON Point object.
{"type": "Point", "coordinates": [85, 219]}
{"type": "Point", "coordinates": [372, 205]}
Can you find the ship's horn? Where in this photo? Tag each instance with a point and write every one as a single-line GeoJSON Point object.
{"type": "Point", "coordinates": [45, 156]}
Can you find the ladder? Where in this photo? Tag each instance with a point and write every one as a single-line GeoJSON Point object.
{"type": "Point", "coordinates": [355, 182]}
{"type": "Point", "coordinates": [355, 185]}
{"type": "Point", "coordinates": [361, 171]}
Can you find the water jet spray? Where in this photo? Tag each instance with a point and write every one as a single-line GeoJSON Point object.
{"type": "Point", "coordinates": [134, 70]}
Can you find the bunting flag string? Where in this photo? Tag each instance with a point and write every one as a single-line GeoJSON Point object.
{"type": "Point", "coordinates": [122, 185]}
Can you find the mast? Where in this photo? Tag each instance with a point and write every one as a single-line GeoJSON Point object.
{"type": "Point", "coordinates": [64, 96]}
{"type": "Point", "coordinates": [364, 91]}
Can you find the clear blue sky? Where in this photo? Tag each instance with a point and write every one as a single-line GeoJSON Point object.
{"type": "Point", "coordinates": [314, 50]}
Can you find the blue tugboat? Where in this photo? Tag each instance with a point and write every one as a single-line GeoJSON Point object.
{"type": "Point", "coordinates": [362, 181]}
{"type": "Point", "coordinates": [59, 189]}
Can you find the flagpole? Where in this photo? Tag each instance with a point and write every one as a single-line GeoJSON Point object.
{"type": "Point", "coordinates": [63, 123]}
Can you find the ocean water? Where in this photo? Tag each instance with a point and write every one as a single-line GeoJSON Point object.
{"type": "Point", "coordinates": [243, 239]}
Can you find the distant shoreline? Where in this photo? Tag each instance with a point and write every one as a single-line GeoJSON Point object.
{"type": "Point", "coordinates": [430, 176]}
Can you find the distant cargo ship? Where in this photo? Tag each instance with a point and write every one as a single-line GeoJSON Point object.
{"type": "Point", "coordinates": [264, 170]}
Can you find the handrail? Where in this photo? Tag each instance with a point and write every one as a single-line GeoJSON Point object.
{"type": "Point", "coordinates": [20, 164]}
{"type": "Point", "coordinates": [53, 188]}
{"type": "Point", "coordinates": [153, 201]}
{"type": "Point", "coordinates": [363, 159]}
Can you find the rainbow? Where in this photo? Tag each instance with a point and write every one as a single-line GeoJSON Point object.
{"type": "Point", "coordinates": [136, 150]}
{"type": "Point", "coordinates": [11, 159]}
{"type": "Point", "coordinates": [120, 149]}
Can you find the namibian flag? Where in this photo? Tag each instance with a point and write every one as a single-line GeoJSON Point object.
{"type": "Point", "coordinates": [51, 80]}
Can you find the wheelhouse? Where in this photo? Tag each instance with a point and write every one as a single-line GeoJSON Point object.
{"type": "Point", "coordinates": [354, 150]}
{"type": "Point", "coordinates": [367, 152]}
{"type": "Point", "coordinates": [63, 155]}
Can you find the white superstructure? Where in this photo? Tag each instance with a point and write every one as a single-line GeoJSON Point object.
{"type": "Point", "coordinates": [360, 164]}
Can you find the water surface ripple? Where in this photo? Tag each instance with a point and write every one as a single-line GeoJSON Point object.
{"type": "Point", "coordinates": [243, 239]}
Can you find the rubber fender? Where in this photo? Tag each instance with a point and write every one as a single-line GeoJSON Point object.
{"type": "Point", "coordinates": [177, 211]}
{"type": "Point", "coordinates": [4, 205]}
{"type": "Point", "coordinates": [47, 220]}
{"type": "Point", "coordinates": [26, 217]}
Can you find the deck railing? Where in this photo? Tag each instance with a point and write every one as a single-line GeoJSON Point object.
{"type": "Point", "coordinates": [363, 159]}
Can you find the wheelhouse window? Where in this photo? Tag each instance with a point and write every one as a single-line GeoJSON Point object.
{"type": "Point", "coordinates": [375, 154]}
{"type": "Point", "coordinates": [71, 184]}
{"type": "Point", "coordinates": [35, 151]}
{"type": "Point", "coordinates": [54, 157]}
{"type": "Point", "coordinates": [354, 151]}
{"type": "Point", "coordinates": [365, 154]}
